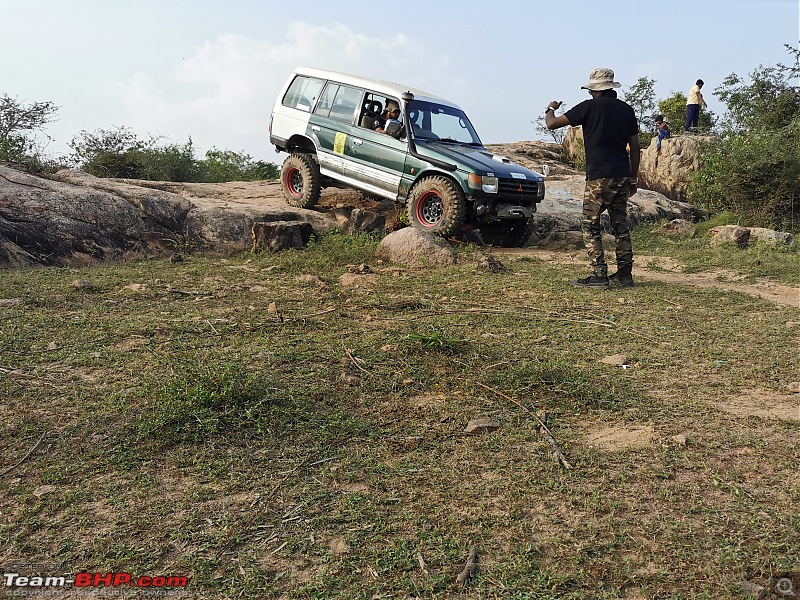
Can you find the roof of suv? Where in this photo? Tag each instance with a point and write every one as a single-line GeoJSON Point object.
{"type": "Point", "coordinates": [375, 85]}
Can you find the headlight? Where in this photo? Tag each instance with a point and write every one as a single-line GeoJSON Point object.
{"type": "Point", "coordinates": [487, 184]}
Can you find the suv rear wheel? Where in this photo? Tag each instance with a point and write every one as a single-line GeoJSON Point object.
{"type": "Point", "coordinates": [436, 205]}
{"type": "Point", "coordinates": [300, 180]}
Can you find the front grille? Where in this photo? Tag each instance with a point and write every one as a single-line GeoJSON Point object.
{"type": "Point", "coordinates": [519, 190]}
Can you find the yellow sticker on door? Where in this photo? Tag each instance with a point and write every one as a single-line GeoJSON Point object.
{"type": "Point", "coordinates": [338, 143]}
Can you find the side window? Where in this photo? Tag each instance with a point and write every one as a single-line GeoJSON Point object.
{"type": "Point", "coordinates": [345, 103]}
{"type": "Point", "coordinates": [326, 100]}
{"type": "Point", "coordinates": [303, 92]}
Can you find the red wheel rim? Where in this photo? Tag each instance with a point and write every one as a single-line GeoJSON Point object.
{"type": "Point", "coordinates": [429, 209]}
{"type": "Point", "coordinates": [294, 181]}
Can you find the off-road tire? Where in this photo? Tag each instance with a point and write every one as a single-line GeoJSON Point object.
{"type": "Point", "coordinates": [508, 234]}
{"type": "Point", "coordinates": [300, 180]}
{"type": "Point", "coordinates": [436, 205]}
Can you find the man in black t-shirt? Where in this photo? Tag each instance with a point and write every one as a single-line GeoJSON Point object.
{"type": "Point", "coordinates": [609, 129]}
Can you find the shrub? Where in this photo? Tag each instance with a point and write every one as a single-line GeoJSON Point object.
{"type": "Point", "coordinates": [120, 153]}
{"type": "Point", "coordinates": [755, 174]}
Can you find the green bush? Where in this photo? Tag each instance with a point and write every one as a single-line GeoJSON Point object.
{"type": "Point", "coordinates": [225, 165]}
{"type": "Point", "coordinates": [755, 174]}
{"type": "Point", "coordinates": [120, 153]}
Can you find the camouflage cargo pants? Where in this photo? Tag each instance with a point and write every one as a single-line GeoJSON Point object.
{"type": "Point", "coordinates": [609, 194]}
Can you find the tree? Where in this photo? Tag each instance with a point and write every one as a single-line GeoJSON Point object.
{"type": "Point", "coordinates": [108, 153]}
{"type": "Point", "coordinates": [17, 122]}
{"type": "Point", "coordinates": [641, 97]}
{"type": "Point", "coordinates": [768, 100]}
{"type": "Point", "coordinates": [559, 134]}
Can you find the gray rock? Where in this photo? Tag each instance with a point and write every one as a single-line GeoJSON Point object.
{"type": "Point", "coordinates": [771, 237]}
{"type": "Point", "coordinates": [615, 360]}
{"type": "Point", "coordinates": [729, 234]}
{"type": "Point", "coordinates": [677, 228]}
{"type": "Point", "coordinates": [481, 425]}
{"type": "Point", "coordinates": [364, 220]}
{"type": "Point", "coordinates": [411, 247]}
{"type": "Point", "coordinates": [281, 235]}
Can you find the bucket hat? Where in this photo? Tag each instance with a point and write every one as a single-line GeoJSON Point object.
{"type": "Point", "coordinates": [601, 79]}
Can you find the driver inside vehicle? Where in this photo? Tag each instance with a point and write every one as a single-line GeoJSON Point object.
{"type": "Point", "coordinates": [389, 122]}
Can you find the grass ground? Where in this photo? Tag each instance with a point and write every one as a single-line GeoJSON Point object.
{"type": "Point", "coordinates": [271, 434]}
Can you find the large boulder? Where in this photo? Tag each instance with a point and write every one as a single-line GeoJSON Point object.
{"type": "Point", "coordinates": [670, 169]}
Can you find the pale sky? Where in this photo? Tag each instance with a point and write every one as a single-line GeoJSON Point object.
{"type": "Point", "coordinates": [212, 70]}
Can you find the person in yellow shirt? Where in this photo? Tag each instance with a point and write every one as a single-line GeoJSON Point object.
{"type": "Point", "coordinates": [693, 103]}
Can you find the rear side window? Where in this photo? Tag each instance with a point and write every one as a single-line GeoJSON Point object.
{"type": "Point", "coordinates": [303, 92]}
{"type": "Point", "coordinates": [339, 102]}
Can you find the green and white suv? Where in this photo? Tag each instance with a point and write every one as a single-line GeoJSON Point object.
{"type": "Point", "coordinates": [433, 161]}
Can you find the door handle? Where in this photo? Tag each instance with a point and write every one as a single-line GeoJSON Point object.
{"type": "Point", "coordinates": [314, 128]}
{"type": "Point", "coordinates": [357, 142]}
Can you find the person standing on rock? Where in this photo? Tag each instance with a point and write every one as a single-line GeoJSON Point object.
{"type": "Point", "coordinates": [693, 103]}
{"type": "Point", "coordinates": [609, 129]}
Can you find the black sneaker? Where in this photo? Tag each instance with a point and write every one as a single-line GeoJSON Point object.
{"type": "Point", "coordinates": [624, 280]}
{"type": "Point", "coordinates": [593, 281]}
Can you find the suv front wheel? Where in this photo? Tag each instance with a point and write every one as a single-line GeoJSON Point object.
{"type": "Point", "coordinates": [508, 234]}
{"type": "Point", "coordinates": [300, 180]}
{"type": "Point", "coordinates": [436, 205]}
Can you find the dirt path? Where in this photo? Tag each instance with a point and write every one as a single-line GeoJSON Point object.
{"type": "Point", "coordinates": [669, 271]}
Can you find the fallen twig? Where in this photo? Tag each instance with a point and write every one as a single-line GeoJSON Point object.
{"type": "Point", "coordinates": [423, 567]}
{"type": "Point", "coordinates": [24, 458]}
{"type": "Point", "coordinates": [355, 360]}
{"type": "Point", "coordinates": [558, 453]}
{"type": "Point", "coordinates": [188, 292]}
{"type": "Point", "coordinates": [470, 568]}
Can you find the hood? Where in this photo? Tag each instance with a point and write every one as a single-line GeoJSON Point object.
{"type": "Point", "coordinates": [475, 158]}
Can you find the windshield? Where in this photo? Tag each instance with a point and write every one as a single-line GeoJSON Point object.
{"type": "Point", "coordinates": [431, 121]}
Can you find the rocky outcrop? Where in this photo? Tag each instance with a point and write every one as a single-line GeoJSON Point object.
{"type": "Point", "coordinates": [669, 170]}
{"type": "Point", "coordinates": [745, 236]}
{"type": "Point", "coordinates": [75, 219]}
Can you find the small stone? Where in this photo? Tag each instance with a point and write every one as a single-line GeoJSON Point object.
{"type": "Point", "coordinates": [136, 287]}
{"type": "Point", "coordinates": [52, 346]}
{"type": "Point", "coordinates": [389, 348]}
{"type": "Point", "coordinates": [615, 360]}
{"type": "Point", "coordinates": [679, 439]}
{"type": "Point", "coordinates": [794, 387]}
{"type": "Point", "coordinates": [481, 425]}
{"type": "Point", "coordinates": [44, 489]}
{"type": "Point", "coordinates": [10, 301]}
{"type": "Point", "coordinates": [272, 308]}
{"type": "Point", "coordinates": [313, 279]}
{"type": "Point", "coordinates": [347, 378]}
{"type": "Point", "coordinates": [408, 381]}
{"type": "Point", "coordinates": [83, 284]}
